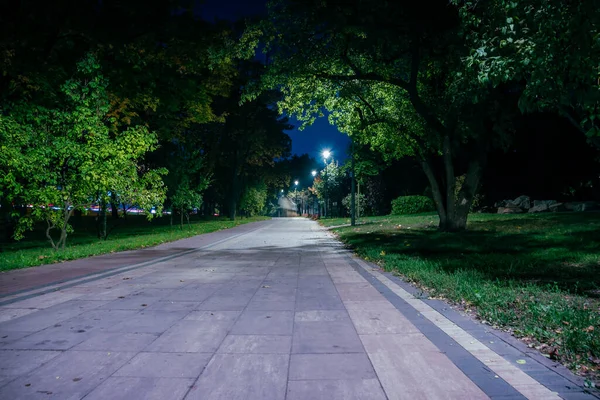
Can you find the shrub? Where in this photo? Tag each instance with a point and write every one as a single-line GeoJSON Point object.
{"type": "Point", "coordinates": [361, 204]}
{"type": "Point", "coordinates": [412, 205]}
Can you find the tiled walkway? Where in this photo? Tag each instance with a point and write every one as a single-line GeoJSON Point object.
{"type": "Point", "coordinates": [273, 311]}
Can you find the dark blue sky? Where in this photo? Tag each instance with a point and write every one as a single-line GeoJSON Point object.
{"type": "Point", "coordinates": [312, 140]}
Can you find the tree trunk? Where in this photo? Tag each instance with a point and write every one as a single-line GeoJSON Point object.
{"type": "Point", "coordinates": [453, 208]}
{"type": "Point", "coordinates": [232, 208]}
{"type": "Point", "coordinates": [102, 221]}
{"type": "Point", "coordinates": [181, 219]}
{"type": "Point", "coordinates": [114, 206]}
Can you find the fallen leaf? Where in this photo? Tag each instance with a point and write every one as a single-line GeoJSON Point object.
{"type": "Point", "coordinates": [521, 362]}
{"type": "Point", "coordinates": [589, 329]}
{"type": "Point", "coordinates": [76, 379]}
{"type": "Point", "coordinates": [266, 286]}
{"type": "Point", "coordinates": [144, 305]}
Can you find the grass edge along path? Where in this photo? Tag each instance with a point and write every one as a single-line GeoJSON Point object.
{"type": "Point", "coordinates": [123, 240]}
{"type": "Point", "coordinates": [497, 273]}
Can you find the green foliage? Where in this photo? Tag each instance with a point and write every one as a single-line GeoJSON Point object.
{"type": "Point", "coordinates": [254, 200]}
{"type": "Point", "coordinates": [412, 205]}
{"type": "Point", "coordinates": [62, 158]}
{"type": "Point", "coordinates": [329, 181]}
{"type": "Point", "coordinates": [360, 204]}
{"type": "Point", "coordinates": [551, 46]}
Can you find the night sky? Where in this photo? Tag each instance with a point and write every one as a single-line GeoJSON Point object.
{"type": "Point", "coordinates": [312, 140]}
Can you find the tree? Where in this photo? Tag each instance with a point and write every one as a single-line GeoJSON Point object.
{"type": "Point", "coordinates": [328, 185]}
{"type": "Point", "coordinates": [553, 47]}
{"type": "Point", "coordinates": [243, 148]}
{"type": "Point", "coordinates": [390, 75]}
{"type": "Point", "coordinates": [59, 159]}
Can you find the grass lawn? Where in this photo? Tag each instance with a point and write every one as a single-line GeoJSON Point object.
{"type": "Point", "coordinates": [133, 233]}
{"type": "Point", "coordinates": [536, 276]}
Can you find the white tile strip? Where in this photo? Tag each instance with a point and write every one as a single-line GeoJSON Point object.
{"type": "Point", "coordinates": [518, 379]}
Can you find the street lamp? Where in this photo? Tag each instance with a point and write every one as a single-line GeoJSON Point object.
{"type": "Point", "coordinates": [314, 173]}
{"type": "Point", "coordinates": [296, 190]}
{"type": "Point", "coordinates": [326, 155]}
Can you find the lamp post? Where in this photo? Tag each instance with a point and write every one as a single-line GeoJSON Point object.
{"type": "Point", "coordinates": [326, 155]}
{"type": "Point", "coordinates": [314, 174]}
{"type": "Point", "coordinates": [296, 190]}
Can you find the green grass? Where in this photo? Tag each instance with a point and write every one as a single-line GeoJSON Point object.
{"type": "Point", "coordinates": [133, 233]}
{"type": "Point", "coordinates": [536, 276]}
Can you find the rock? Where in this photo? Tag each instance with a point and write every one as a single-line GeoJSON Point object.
{"type": "Point", "coordinates": [510, 210]}
{"type": "Point", "coordinates": [539, 208]}
{"type": "Point", "coordinates": [557, 207]}
{"type": "Point", "coordinates": [544, 202]}
{"type": "Point", "coordinates": [523, 202]}
{"type": "Point", "coordinates": [580, 206]}
{"type": "Point", "coordinates": [501, 203]}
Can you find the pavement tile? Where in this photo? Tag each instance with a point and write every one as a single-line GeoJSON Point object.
{"type": "Point", "coordinates": [256, 344]}
{"type": "Point", "coordinates": [380, 321]}
{"type": "Point", "coordinates": [165, 365]}
{"type": "Point", "coordinates": [54, 338]}
{"type": "Point", "coordinates": [128, 388]}
{"type": "Point", "coordinates": [319, 302]}
{"type": "Point", "coordinates": [330, 366]}
{"type": "Point", "coordinates": [363, 389]}
{"type": "Point", "coordinates": [222, 318]}
{"type": "Point", "coordinates": [19, 362]}
{"type": "Point", "coordinates": [7, 314]}
{"type": "Point", "coordinates": [225, 302]}
{"type": "Point", "coordinates": [321, 315]}
{"type": "Point", "coordinates": [50, 316]}
{"type": "Point", "coordinates": [264, 323]}
{"type": "Point", "coordinates": [409, 366]}
{"type": "Point", "coordinates": [190, 337]}
{"type": "Point", "coordinates": [5, 379]}
{"type": "Point", "coordinates": [358, 292]}
{"type": "Point", "coordinates": [169, 305]}
{"type": "Point", "coordinates": [116, 341]}
{"type": "Point", "coordinates": [326, 337]}
{"type": "Point", "coordinates": [242, 376]}
{"type": "Point", "coordinates": [149, 322]}
{"type": "Point", "coordinates": [271, 305]}
{"type": "Point", "coordinates": [70, 375]}
{"type": "Point", "coordinates": [11, 337]}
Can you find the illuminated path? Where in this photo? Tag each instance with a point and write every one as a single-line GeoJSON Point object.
{"type": "Point", "coordinates": [271, 310]}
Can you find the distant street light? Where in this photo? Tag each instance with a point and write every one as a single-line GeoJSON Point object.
{"type": "Point", "coordinates": [326, 155]}
{"type": "Point", "coordinates": [314, 174]}
{"type": "Point", "coordinates": [296, 190]}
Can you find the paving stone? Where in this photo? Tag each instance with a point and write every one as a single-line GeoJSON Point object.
{"type": "Point", "coordinates": [319, 302]}
{"type": "Point", "coordinates": [330, 366]}
{"type": "Point", "coordinates": [127, 388]}
{"type": "Point", "coordinates": [70, 375]}
{"type": "Point", "coordinates": [256, 344]}
{"type": "Point", "coordinates": [165, 365]}
{"type": "Point", "coordinates": [321, 315]}
{"type": "Point", "coordinates": [365, 389]}
{"type": "Point", "coordinates": [4, 379]}
{"type": "Point", "coordinates": [264, 323]}
{"type": "Point", "coordinates": [19, 362]}
{"type": "Point", "coordinates": [326, 337]}
{"type": "Point", "coordinates": [373, 320]}
{"type": "Point", "coordinates": [222, 318]}
{"type": "Point", "coordinates": [11, 337]}
{"type": "Point", "coordinates": [59, 338]}
{"type": "Point", "coordinates": [7, 314]}
{"type": "Point", "coordinates": [190, 337]}
{"type": "Point", "coordinates": [358, 292]}
{"type": "Point", "coordinates": [149, 322]}
{"type": "Point", "coordinates": [116, 341]}
{"type": "Point", "coordinates": [409, 366]}
{"type": "Point", "coordinates": [50, 316]}
{"type": "Point", "coordinates": [225, 302]}
{"type": "Point", "coordinates": [168, 305]}
{"type": "Point", "coordinates": [271, 305]}
{"type": "Point", "coordinates": [242, 376]}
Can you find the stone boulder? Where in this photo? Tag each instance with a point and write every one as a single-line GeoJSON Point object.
{"type": "Point", "coordinates": [523, 202]}
{"type": "Point", "coordinates": [539, 208]}
{"type": "Point", "coordinates": [544, 202]}
{"type": "Point", "coordinates": [557, 207]}
{"type": "Point", "coordinates": [580, 206]}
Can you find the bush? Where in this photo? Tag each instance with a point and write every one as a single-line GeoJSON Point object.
{"type": "Point", "coordinates": [361, 204]}
{"type": "Point", "coordinates": [412, 205]}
